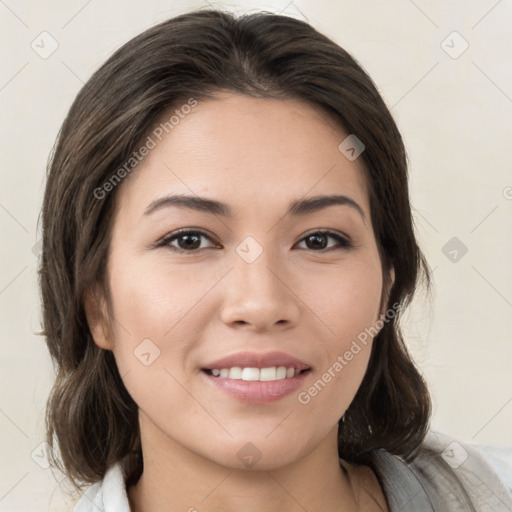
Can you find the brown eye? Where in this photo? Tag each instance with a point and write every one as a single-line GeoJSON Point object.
{"type": "Point", "coordinates": [185, 241]}
{"type": "Point", "coordinates": [319, 241]}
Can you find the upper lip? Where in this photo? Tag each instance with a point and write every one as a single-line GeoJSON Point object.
{"type": "Point", "coordinates": [257, 360]}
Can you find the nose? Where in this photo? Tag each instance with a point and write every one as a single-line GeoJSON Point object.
{"type": "Point", "coordinates": [260, 295]}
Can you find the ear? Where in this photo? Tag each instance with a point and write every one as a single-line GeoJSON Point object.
{"type": "Point", "coordinates": [97, 317]}
{"type": "Point", "coordinates": [391, 278]}
{"type": "Point", "coordinates": [387, 292]}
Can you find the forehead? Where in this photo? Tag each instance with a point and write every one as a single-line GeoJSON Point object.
{"type": "Point", "coordinates": [256, 154]}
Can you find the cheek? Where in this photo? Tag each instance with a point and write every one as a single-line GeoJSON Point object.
{"type": "Point", "coordinates": [345, 299]}
{"type": "Point", "coordinates": [141, 302]}
{"type": "Point", "coordinates": [150, 310]}
{"type": "Point", "coordinates": [152, 299]}
{"type": "Point", "coordinates": [158, 311]}
{"type": "Point", "coordinates": [346, 303]}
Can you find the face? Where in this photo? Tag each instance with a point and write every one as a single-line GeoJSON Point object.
{"type": "Point", "coordinates": [254, 279]}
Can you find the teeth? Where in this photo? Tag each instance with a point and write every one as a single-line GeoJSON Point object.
{"type": "Point", "coordinates": [235, 373]}
{"type": "Point", "coordinates": [268, 373]}
{"type": "Point", "coordinates": [255, 374]}
{"type": "Point", "coordinates": [281, 373]}
{"type": "Point", "coordinates": [247, 373]}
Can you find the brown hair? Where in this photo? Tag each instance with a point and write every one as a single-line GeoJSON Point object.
{"type": "Point", "coordinates": [91, 418]}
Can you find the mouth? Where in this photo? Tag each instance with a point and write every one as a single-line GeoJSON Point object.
{"type": "Point", "coordinates": [255, 377]}
{"type": "Point", "coordinates": [254, 366]}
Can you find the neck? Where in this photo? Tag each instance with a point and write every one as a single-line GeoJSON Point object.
{"type": "Point", "coordinates": [177, 479]}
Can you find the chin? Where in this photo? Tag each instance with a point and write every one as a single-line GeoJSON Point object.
{"type": "Point", "coordinates": [260, 454]}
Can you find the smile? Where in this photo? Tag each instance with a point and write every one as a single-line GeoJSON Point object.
{"type": "Point", "coordinates": [255, 374]}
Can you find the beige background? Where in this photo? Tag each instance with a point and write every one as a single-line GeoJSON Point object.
{"type": "Point", "coordinates": [455, 115]}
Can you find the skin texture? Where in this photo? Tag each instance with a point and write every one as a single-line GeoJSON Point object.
{"type": "Point", "coordinates": [256, 155]}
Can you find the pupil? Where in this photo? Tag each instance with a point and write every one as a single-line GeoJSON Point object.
{"type": "Point", "coordinates": [190, 241]}
{"type": "Point", "coordinates": [319, 241]}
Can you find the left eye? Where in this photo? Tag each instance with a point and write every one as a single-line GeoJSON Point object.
{"type": "Point", "coordinates": [191, 241]}
{"type": "Point", "coordinates": [318, 240]}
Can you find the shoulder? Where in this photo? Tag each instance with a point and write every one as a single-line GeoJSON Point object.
{"type": "Point", "coordinates": [462, 469]}
{"type": "Point", "coordinates": [108, 495]}
{"type": "Point", "coordinates": [448, 474]}
{"type": "Point", "coordinates": [500, 458]}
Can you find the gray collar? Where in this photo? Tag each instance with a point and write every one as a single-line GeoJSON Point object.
{"type": "Point", "coordinates": [403, 490]}
{"type": "Point", "coordinates": [445, 475]}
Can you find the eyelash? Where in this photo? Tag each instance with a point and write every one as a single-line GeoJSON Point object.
{"type": "Point", "coordinates": [344, 243]}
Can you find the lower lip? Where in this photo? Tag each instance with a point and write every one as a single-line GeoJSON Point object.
{"type": "Point", "coordinates": [257, 392]}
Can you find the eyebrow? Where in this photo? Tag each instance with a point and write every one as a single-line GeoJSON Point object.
{"type": "Point", "coordinates": [296, 208]}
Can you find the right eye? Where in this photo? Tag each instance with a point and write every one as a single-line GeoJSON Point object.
{"type": "Point", "coordinates": [185, 240]}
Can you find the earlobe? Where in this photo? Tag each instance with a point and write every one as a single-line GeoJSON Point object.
{"type": "Point", "coordinates": [95, 311]}
{"type": "Point", "coordinates": [391, 282]}
{"type": "Point", "coordinates": [391, 277]}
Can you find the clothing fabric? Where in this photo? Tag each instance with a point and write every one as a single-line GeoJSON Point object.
{"type": "Point", "coordinates": [446, 476]}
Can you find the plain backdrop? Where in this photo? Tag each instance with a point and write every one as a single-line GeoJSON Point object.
{"type": "Point", "coordinates": [443, 67]}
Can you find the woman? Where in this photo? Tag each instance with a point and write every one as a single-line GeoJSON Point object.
{"type": "Point", "coordinates": [227, 247]}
